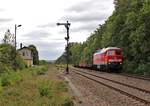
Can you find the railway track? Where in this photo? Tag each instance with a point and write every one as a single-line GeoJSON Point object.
{"type": "Point", "coordinates": [139, 94]}
{"type": "Point", "coordinates": [128, 75]}
{"type": "Point", "coordinates": [136, 77]}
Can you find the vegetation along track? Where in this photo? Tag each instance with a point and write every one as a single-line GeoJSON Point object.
{"type": "Point", "coordinates": [128, 90]}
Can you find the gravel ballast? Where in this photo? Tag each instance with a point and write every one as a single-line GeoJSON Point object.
{"type": "Point", "coordinates": [98, 95]}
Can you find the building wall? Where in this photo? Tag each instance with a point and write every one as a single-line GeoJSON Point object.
{"type": "Point", "coordinates": [26, 54]}
{"type": "Point", "coordinates": [29, 62]}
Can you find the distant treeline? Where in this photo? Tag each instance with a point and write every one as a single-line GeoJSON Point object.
{"type": "Point", "coordinates": [128, 28]}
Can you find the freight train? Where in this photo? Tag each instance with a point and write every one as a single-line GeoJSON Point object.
{"type": "Point", "coordinates": [106, 59]}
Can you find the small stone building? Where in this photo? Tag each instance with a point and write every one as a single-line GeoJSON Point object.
{"type": "Point", "coordinates": [26, 54]}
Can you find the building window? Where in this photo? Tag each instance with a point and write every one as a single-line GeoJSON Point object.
{"type": "Point", "coordinates": [23, 54]}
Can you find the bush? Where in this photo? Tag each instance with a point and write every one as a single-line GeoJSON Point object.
{"type": "Point", "coordinates": [10, 78]}
{"type": "Point", "coordinates": [129, 66]}
{"type": "Point", "coordinates": [5, 68]}
{"type": "Point", "coordinates": [44, 88]}
{"type": "Point", "coordinates": [143, 69]}
{"type": "Point", "coordinates": [39, 70]}
{"type": "Point", "coordinates": [43, 62]}
{"type": "Point", "coordinates": [67, 102]}
{"type": "Point", "coordinates": [61, 86]}
{"type": "Point", "coordinates": [20, 64]}
{"type": "Point", "coordinates": [42, 71]}
{"type": "Point", "coordinates": [55, 92]}
{"type": "Point", "coordinates": [137, 68]}
{"type": "Point", "coordinates": [9, 58]}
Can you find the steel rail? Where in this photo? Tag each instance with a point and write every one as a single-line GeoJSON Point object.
{"type": "Point", "coordinates": [126, 75]}
{"type": "Point", "coordinates": [136, 77]}
{"type": "Point", "coordinates": [137, 88]}
{"type": "Point", "coordinates": [116, 89]}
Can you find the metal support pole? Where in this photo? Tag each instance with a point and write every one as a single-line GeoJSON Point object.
{"type": "Point", "coordinates": [15, 64]}
{"type": "Point", "coordinates": [67, 69]}
{"type": "Point", "coordinates": [67, 25]}
{"type": "Point", "coordinates": [15, 36]}
{"type": "Point", "coordinates": [16, 26]}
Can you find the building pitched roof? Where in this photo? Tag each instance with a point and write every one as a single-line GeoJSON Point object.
{"type": "Point", "coordinates": [24, 48]}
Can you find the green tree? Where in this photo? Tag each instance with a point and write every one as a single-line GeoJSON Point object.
{"type": "Point", "coordinates": [8, 38]}
{"type": "Point", "coordinates": [35, 54]}
{"type": "Point", "coordinates": [9, 58]}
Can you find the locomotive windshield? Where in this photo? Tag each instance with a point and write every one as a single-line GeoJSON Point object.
{"type": "Point", "coordinates": [114, 52]}
{"type": "Point", "coordinates": [118, 52]}
{"type": "Point", "coordinates": [111, 53]}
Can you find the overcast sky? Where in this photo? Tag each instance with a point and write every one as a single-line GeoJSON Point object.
{"type": "Point", "coordinates": [39, 17]}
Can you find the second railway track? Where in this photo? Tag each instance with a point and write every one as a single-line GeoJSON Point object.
{"type": "Point", "coordinates": [136, 93]}
{"type": "Point", "coordinates": [146, 78]}
{"type": "Point", "coordinates": [136, 77]}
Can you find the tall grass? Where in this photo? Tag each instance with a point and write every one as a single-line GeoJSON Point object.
{"type": "Point", "coordinates": [12, 77]}
{"type": "Point", "coordinates": [34, 87]}
{"type": "Point", "coordinates": [54, 92]}
{"type": "Point", "coordinates": [40, 70]}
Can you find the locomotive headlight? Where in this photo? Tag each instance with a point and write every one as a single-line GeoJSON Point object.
{"type": "Point", "coordinates": [110, 60]}
{"type": "Point", "coordinates": [119, 60]}
{"type": "Point", "coordinates": [114, 60]}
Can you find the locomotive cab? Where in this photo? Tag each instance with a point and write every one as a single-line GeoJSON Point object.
{"type": "Point", "coordinates": [114, 59]}
{"type": "Point", "coordinates": [108, 59]}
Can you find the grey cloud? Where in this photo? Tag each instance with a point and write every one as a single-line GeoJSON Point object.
{"type": "Point", "coordinates": [1, 9]}
{"type": "Point", "coordinates": [49, 45]}
{"type": "Point", "coordinates": [47, 25]}
{"type": "Point", "coordinates": [47, 54]}
{"type": "Point", "coordinates": [91, 10]}
{"type": "Point", "coordinates": [86, 17]}
{"type": "Point", "coordinates": [85, 27]}
{"type": "Point", "coordinates": [44, 45]}
{"type": "Point", "coordinates": [3, 28]}
{"type": "Point", "coordinates": [37, 34]}
{"type": "Point", "coordinates": [90, 5]}
{"type": "Point", "coordinates": [89, 26]}
{"type": "Point", "coordinates": [5, 19]}
{"type": "Point", "coordinates": [47, 50]}
{"type": "Point", "coordinates": [58, 39]}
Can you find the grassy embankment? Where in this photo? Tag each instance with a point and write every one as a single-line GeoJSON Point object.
{"type": "Point", "coordinates": [36, 86]}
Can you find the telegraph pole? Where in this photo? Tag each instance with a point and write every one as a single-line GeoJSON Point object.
{"type": "Point", "coordinates": [67, 25]}
{"type": "Point", "coordinates": [16, 26]}
{"type": "Point", "coordinates": [15, 35]}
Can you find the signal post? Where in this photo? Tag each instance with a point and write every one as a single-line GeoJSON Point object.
{"type": "Point", "coordinates": [67, 25]}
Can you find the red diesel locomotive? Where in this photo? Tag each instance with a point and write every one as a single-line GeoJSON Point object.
{"type": "Point", "coordinates": [108, 58]}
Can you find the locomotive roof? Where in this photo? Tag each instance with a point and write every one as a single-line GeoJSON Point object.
{"type": "Point", "coordinates": [99, 50]}
{"type": "Point", "coordinates": [105, 49]}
